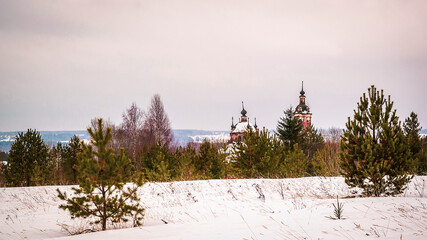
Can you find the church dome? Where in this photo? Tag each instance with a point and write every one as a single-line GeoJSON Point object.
{"type": "Point", "coordinates": [243, 112]}
{"type": "Point", "coordinates": [302, 108]}
{"type": "Point", "coordinates": [242, 127]}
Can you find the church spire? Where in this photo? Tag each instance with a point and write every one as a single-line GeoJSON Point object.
{"type": "Point", "coordinates": [302, 111]}
{"type": "Point", "coordinates": [302, 89]}
{"type": "Point", "coordinates": [232, 124]}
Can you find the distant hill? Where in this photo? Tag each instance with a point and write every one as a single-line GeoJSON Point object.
{"type": "Point", "coordinates": [50, 137]}
{"type": "Point", "coordinates": [182, 136]}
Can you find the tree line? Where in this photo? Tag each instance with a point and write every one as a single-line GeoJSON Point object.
{"type": "Point", "coordinates": [292, 151]}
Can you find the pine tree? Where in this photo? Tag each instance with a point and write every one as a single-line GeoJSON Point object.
{"type": "Point", "coordinates": [46, 172]}
{"type": "Point", "coordinates": [375, 154]}
{"type": "Point", "coordinates": [290, 129]}
{"type": "Point", "coordinates": [3, 156]}
{"type": "Point", "coordinates": [102, 177]}
{"type": "Point", "coordinates": [209, 162]}
{"type": "Point", "coordinates": [245, 156]}
{"type": "Point", "coordinates": [204, 157]}
{"type": "Point", "coordinates": [272, 152]}
{"type": "Point", "coordinates": [69, 160]}
{"type": "Point", "coordinates": [216, 166]}
{"type": "Point", "coordinates": [152, 162]}
{"type": "Point", "coordinates": [27, 160]}
{"type": "Point", "coordinates": [312, 140]}
{"type": "Point", "coordinates": [3, 159]}
{"type": "Point", "coordinates": [186, 157]}
{"type": "Point", "coordinates": [412, 127]}
{"type": "Point", "coordinates": [161, 170]}
{"type": "Point", "coordinates": [421, 160]}
{"type": "Point", "coordinates": [257, 156]}
{"type": "Point", "coordinates": [295, 163]}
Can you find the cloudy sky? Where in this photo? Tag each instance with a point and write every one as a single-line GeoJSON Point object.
{"type": "Point", "coordinates": [65, 62]}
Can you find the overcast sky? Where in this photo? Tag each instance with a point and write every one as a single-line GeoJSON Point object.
{"type": "Point", "coordinates": [65, 62]}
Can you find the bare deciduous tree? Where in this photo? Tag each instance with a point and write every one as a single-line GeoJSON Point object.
{"type": "Point", "coordinates": [133, 120]}
{"type": "Point", "coordinates": [332, 135]}
{"type": "Point", "coordinates": [157, 125]}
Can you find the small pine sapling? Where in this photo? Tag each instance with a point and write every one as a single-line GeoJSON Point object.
{"type": "Point", "coordinates": [338, 209]}
{"type": "Point", "coordinates": [102, 176]}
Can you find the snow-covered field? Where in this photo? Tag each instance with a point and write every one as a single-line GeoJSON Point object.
{"type": "Point", "coordinates": [230, 209]}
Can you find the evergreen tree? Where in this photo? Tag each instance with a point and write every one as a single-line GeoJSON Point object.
{"type": "Point", "coordinates": [3, 156]}
{"type": "Point", "coordinates": [152, 162]}
{"type": "Point", "coordinates": [245, 156]}
{"type": "Point", "coordinates": [3, 165]}
{"type": "Point", "coordinates": [421, 161]}
{"type": "Point", "coordinates": [257, 156]}
{"type": "Point", "coordinates": [186, 157]}
{"type": "Point", "coordinates": [206, 153]}
{"type": "Point", "coordinates": [161, 170]}
{"type": "Point", "coordinates": [290, 129]}
{"type": "Point", "coordinates": [272, 152]}
{"type": "Point", "coordinates": [46, 172]}
{"type": "Point", "coordinates": [210, 162]}
{"type": "Point", "coordinates": [295, 163]}
{"type": "Point", "coordinates": [102, 176]}
{"type": "Point", "coordinates": [27, 160]}
{"type": "Point", "coordinates": [375, 154]}
{"type": "Point", "coordinates": [216, 166]}
{"type": "Point", "coordinates": [69, 160]}
{"type": "Point", "coordinates": [312, 140]}
{"type": "Point", "coordinates": [412, 128]}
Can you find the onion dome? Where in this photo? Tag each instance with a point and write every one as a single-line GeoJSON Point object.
{"type": "Point", "coordinates": [255, 126]}
{"type": "Point", "coordinates": [243, 112]}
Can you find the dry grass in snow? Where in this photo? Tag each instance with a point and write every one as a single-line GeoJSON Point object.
{"type": "Point", "coordinates": [230, 209]}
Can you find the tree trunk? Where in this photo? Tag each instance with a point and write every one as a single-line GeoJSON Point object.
{"type": "Point", "coordinates": [104, 208]}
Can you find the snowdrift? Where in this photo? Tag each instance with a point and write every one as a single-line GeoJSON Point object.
{"type": "Point", "coordinates": [230, 209]}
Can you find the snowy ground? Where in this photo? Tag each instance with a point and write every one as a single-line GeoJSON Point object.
{"type": "Point", "coordinates": [230, 209]}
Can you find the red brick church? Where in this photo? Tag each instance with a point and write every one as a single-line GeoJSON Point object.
{"type": "Point", "coordinates": [302, 111]}
{"type": "Point", "coordinates": [238, 129]}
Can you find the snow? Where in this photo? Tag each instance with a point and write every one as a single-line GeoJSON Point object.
{"type": "Point", "coordinates": [222, 137]}
{"type": "Point", "coordinates": [7, 139]}
{"type": "Point", "coordinates": [230, 209]}
{"type": "Point", "coordinates": [242, 127]}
